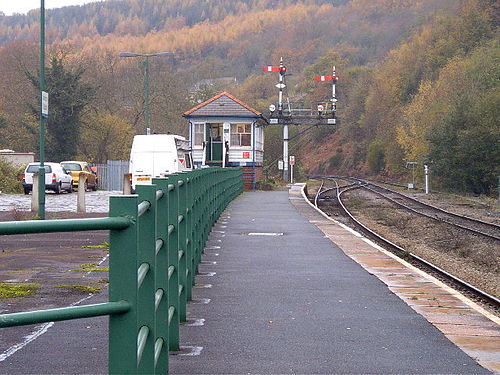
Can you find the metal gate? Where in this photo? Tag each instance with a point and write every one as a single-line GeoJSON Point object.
{"type": "Point", "coordinates": [110, 175]}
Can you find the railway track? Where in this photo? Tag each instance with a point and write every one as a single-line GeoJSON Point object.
{"type": "Point", "coordinates": [476, 226]}
{"type": "Point", "coordinates": [484, 230]}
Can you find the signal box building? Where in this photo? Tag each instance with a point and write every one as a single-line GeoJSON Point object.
{"type": "Point", "coordinates": [225, 132]}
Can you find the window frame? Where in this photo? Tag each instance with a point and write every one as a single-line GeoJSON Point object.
{"type": "Point", "coordinates": [195, 133]}
{"type": "Point", "coordinates": [241, 134]}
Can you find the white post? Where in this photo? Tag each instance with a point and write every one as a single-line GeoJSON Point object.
{"type": "Point", "coordinates": [226, 127]}
{"type": "Point", "coordinates": [127, 187]}
{"type": "Point", "coordinates": [291, 174]}
{"type": "Point", "coordinates": [34, 193]}
{"type": "Point", "coordinates": [204, 154]}
{"type": "Point", "coordinates": [426, 169]}
{"type": "Point", "coordinates": [285, 152]}
{"type": "Point", "coordinates": [80, 199]}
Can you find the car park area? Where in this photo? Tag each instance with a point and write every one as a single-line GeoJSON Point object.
{"type": "Point", "coordinates": [96, 201]}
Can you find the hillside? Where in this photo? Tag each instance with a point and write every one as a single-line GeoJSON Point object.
{"type": "Point", "coordinates": [399, 61]}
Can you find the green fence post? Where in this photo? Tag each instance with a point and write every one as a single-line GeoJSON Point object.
{"type": "Point", "coordinates": [181, 221]}
{"type": "Point", "coordinates": [146, 264]}
{"type": "Point", "coordinates": [122, 358]}
{"type": "Point", "coordinates": [197, 187]}
{"type": "Point", "coordinates": [173, 264]}
{"type": "Point", "coordinates": [161, 287]}
{"type": "Point", "coordinates": [189, 236]}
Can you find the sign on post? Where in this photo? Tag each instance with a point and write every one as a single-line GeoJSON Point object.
{"type": "Point", "coordinates": [280, 165]}
{"type": "Point", "coordinates": [292, 163]}
{"type": "Point", "coordinates": [45, 104]}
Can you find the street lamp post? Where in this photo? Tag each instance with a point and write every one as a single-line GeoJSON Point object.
{"type": "Point", "coordinates": [147, 114]}
{"type": "Point", "coordinates": [41, 171]}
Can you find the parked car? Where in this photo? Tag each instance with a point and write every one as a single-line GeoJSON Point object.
{"type": "Point", "coordinates": [80, 167]}
{"type": "Point", "coordinates": [56, 178]}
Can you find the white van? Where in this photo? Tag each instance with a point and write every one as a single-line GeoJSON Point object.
{"type": "Point", "coordinates": [158, 155]}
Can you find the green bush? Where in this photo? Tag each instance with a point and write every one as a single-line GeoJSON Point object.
{"type": "Point", "coordinates": [375, 157]}
{"type": "Point", "coordinates": [266, 185]}
{"type": "Point", "coordinates": [10, 178]}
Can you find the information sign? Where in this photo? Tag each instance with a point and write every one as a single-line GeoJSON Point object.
{"type": "Point", "coordinates": [45, 104]}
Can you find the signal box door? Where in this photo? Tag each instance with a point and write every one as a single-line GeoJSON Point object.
{"type": "Point", "coordinates": [214, 141]}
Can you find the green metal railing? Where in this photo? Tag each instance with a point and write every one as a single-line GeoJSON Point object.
{"type": "Point", "coordinates": [157, 239]}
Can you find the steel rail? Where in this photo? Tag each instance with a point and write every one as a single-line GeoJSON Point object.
{"type": "Point", "coordinates": [431, 207]}
{"type": "Point", "coordinates": [484, 295]}
{"type": "Point", "coordinates": [416, 201]}
{"type": "Point", "coordinates": [318, 193]}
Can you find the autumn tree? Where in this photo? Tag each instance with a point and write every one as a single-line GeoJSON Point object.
{"type": "Point", "coordinates": [105, 137]}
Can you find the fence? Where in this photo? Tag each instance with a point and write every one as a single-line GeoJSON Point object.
{"type": "Point", "coordinates": [110, 175]}
{"type": "Point", "coordinates": [162, 231]}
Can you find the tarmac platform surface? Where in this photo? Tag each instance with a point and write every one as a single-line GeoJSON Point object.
{"type": "Point", "coordinates": [274, 296]}
{"type": "Point", "coordinates": [286, 300]}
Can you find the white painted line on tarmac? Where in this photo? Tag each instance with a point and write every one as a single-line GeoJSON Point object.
{"type": "Point", "coordinates": [196, 323]}
{"type": "Point", "coordinates": [39, 330]}
{"type": "Point", "coordinates": [212, 247]}
{"type": "Point", "coordinates": [203, 286]}
{"type": "Point", "coordinates": [98, 264]}
{"type": "Point", "coordinates": [431, 278]}
{"type": "Point", "coordinates": [450, 290]}
{"type": "Point", "coordinates": [191, 351]}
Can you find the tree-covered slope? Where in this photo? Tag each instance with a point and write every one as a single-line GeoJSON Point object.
{"type": "Point", "coordinates": [400, 95]}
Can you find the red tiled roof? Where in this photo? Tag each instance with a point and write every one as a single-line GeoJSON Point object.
{"type": "Point", "coordinates": [224, 93]}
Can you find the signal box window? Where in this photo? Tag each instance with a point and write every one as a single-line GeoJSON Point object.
{"type": "Point", "coordinates": [241, 134]}
{"type": "Point", "coordinates": [199, 134]}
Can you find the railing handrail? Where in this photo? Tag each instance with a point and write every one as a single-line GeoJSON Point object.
{"type": "Point", "coordinates": [163, 230]}
{"type": "Point", "coordinates": [63, 225]}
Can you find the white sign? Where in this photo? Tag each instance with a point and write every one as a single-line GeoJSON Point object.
{"type": "Point", "coordinates": [292, 160]}
{"type": "Point", "coordinates": [280, 85]}
{"type": "Point", "coordinates": [280, 165]}
{"type": "Point", "coordinates": [273, 121]}
{"type": "Point", "coordinates": [45, 104]}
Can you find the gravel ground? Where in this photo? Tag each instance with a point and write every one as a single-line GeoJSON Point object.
{"type": "Point", "coordinates": [96, 201]}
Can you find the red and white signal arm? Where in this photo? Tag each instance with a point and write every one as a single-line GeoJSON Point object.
{"type": "Point", "coordinates": [271, 68]}
{"type": "Point", "coordinates": [326, 78]}
{"type": "Point", "coordinates": [292, 160]}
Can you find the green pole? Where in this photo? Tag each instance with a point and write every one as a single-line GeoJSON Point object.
{"type": "Point", "coordinates": [147, 116]}
{"type": "Point", "coordinates": [41, 174]}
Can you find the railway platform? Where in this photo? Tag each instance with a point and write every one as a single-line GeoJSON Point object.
{"type": "Point", "coordinates": [282, 289]}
